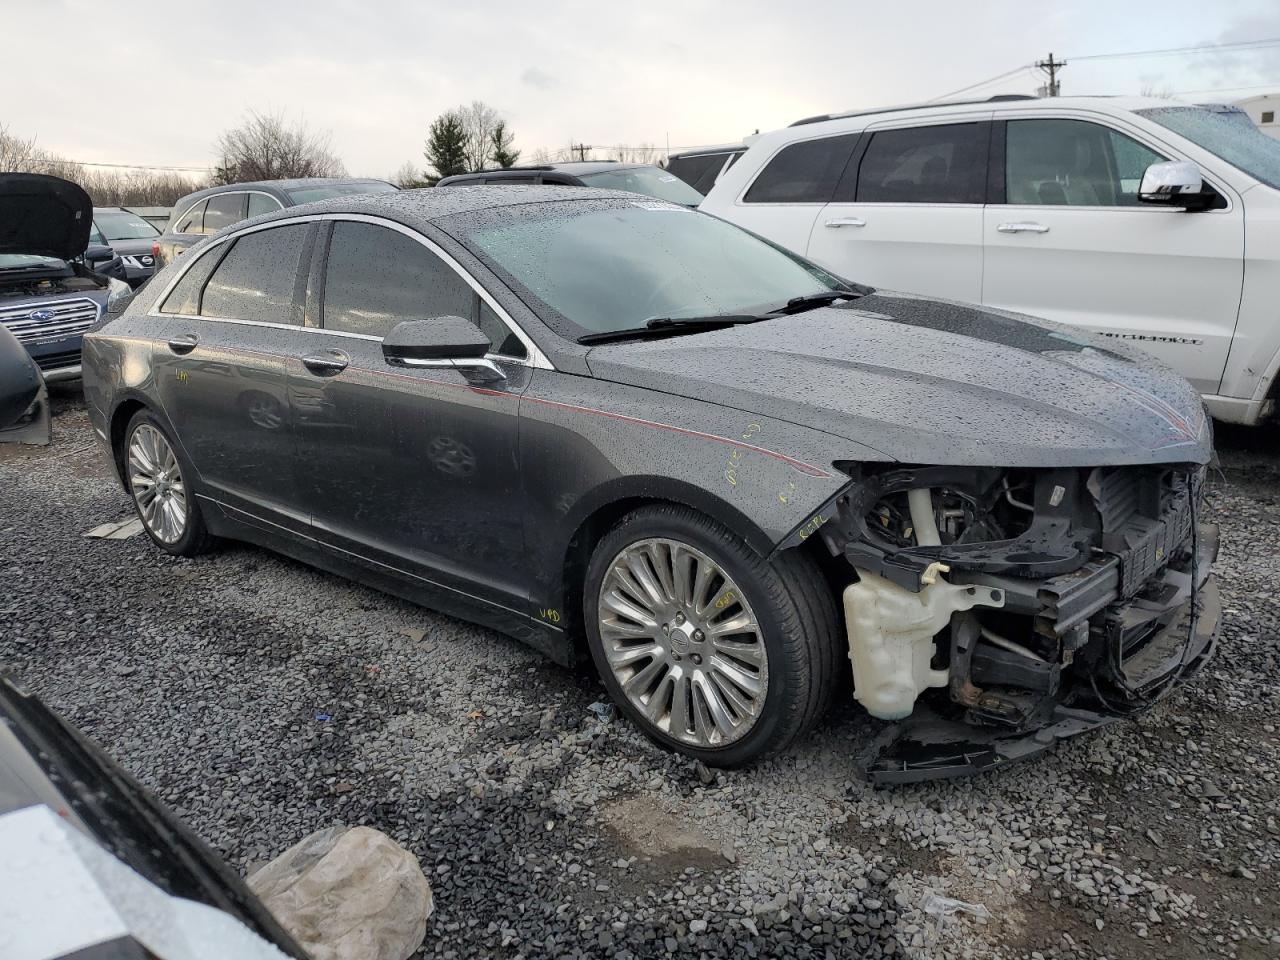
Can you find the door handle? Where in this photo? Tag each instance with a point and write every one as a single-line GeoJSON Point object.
{"type": "Point", "coordinates": [331, 361]}
{"type": "Point", "coordinates": [847, 222]}
{"type": "Point", "coordinates": [1023, 226]}
{"type": "Point", "coordinates": [183, 343]}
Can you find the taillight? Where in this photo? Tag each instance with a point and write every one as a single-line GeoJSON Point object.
{"type": "Point", "coordinates": [155, 250]}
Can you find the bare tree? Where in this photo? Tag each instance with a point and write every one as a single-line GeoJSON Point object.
{"type": "Point", "coordinates": [479, 120]}
{"type": "Point", "coordinates": [541, 157]}
{"type": "Point", "coordinates": [16, 154]}
{"type": "Point", "coordinates": [267, 147]}
{"type": "Point", "coordinates": [643, 153]}
{"type": "Point", "coordinates": [408, 176]}
{"type": "Point", "coordinates": [137, 186]}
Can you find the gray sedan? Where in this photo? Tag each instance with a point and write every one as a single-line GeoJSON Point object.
{"type": "Point", "coordinates": [616, 428]}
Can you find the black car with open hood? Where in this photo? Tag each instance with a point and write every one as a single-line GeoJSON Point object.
{"type": "Point", "coordinates": [53, 284]}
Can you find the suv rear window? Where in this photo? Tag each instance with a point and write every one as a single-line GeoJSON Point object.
{"type": "Point", "coordinates": [193, 220]}
{"type": "Point", "coordinates": [939, 164]}
{"type": "Point", "coordinates": [224, 210]}
{"type": "Point", "coordinates": [804, 172]}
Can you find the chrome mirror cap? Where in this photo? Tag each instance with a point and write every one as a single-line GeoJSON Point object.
{"type": "Point", "coordinates": [1170, 183]}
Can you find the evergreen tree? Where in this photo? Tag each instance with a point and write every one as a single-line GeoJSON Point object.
{"type": "Point", "coordinates": [500, 141]}
{"type": "Point", "coordinates": [446, 150]}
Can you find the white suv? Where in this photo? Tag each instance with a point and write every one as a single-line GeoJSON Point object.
{"type": "Point", "coordinates": [1147, 220]}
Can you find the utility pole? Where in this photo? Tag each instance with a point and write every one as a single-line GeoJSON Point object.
{"type": "Point", "coordinates": [581, 149]}
{"type": "Point", "coordinates": [1051, 67]}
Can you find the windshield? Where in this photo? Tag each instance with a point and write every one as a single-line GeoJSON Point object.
{"type": "Point", "coordinates": [592, 266]}
{"type": "Point", "coordinates": [1227, 132]}
{"type": "Point", "coordinates": [119, 225]}
{"type": "Point", "coordinates": [327, 191]}
{"type": "Point", "coordinates": [27, 261]}
{"type": "Point", "coordinates": [651, 181]}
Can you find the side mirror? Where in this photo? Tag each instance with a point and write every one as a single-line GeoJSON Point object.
{"type": "Point", "coordinates": [1175, 183]}
{"type": "Point", "coordinates": [98, 251]}
{"type": "Point", "coordinates": [451, 342]}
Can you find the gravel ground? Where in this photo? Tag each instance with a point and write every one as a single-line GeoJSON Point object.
{"type": "Point", "coordinates": [263, 700]}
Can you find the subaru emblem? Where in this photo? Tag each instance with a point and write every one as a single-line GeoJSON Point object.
{"type": "Point", "coordinates": [41, 315]}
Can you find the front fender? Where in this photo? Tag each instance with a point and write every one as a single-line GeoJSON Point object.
{"type": "Point", "coordinates": [587, 446]}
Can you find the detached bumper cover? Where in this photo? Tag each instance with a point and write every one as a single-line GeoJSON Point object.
{"type": "Point", "coordinates": [928, 746]}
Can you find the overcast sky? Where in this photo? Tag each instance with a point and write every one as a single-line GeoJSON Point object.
{"type": "Point", "coordinates": [155, 83]}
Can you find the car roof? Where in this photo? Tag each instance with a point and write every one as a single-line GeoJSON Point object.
{"type": "Point", "coordinates": [277, 187]}
{"type": "Point", "coordinates": [574, 167]}
{"type": "Point", "coordinates": [421, 206]}
{"type": "Point", "coordinates": [999, 103]}
{"type": "Point", "coordinates": [709, 150]}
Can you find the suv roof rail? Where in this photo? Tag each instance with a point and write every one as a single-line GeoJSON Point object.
{"type": "Point", "coordinates": [998, 98]}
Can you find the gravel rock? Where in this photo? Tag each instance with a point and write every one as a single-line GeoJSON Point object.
{"type": "Point", "coordinates": [206, 679]}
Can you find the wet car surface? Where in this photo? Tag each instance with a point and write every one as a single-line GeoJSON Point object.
{"type": "Point", "coordinates": [660, 441]}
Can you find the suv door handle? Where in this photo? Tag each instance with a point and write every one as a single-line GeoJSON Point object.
{"type": "Point", "coordinates": [1023, 226]}
{"type": "Point", "coordinates": [183, 343]}
{"type": "Point", "coordinates": [847, 222]}
{"type": "Point", "coordinates": [331, 361]}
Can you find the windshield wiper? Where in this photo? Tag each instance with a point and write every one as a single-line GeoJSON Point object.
{"type": "Point", "coordinates": [665, 326]}
{"type": "Point", "coordinates": [810, 300]}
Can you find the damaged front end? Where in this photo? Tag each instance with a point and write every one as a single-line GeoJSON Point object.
{"type": "Point", "coordinates": [999, 611]}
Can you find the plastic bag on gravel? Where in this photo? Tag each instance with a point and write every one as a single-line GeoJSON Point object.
{"type": "Point", "coordinates": [348, 894]}
{"type": "Point", "coordinates": [945, 906]}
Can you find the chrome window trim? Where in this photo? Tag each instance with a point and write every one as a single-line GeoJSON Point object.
{"type": "Point", "coordinates": [224, 193]}
{"type": "Point", "coordinates": [536, 359]}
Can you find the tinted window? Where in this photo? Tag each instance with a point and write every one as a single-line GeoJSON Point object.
{"type": "Point", "coordinates": [260, 203]}
{"type": "Point", "coordinates": [943, 164]}
{"type": "Point", "coordinates": [803, 172]}
{"type": "Point", "coordinates": [119, 225]}
{"type": "Point", "coordinates": [256, 280]}
{"type": "Point", "coordinates": [1073, 163]}
{"type": "Point", "coordinates": [224, 210]}
{"type": "Point", "coordinates": [698, 172]}
{"type": "Point", "coordinates": [597, 265]}
{"type": "Point", "coordinates": [193, 220]}
{"type": "Point", "coordinates": [185, 297]}
{"type": "Point", "coordinates": [377, 277]}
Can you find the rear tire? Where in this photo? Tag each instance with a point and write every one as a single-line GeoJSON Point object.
{"type": "Point", "coordinates": [709, 648]}
{"type": "Point", "coordinates": [159, 483]}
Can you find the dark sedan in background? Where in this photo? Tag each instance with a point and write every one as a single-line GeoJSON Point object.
{"type": "Point", "coordinates": [205, 212]}
{"type": "Point", "coordinates": [641, 178]}
{"type": "Point", "coordinates": [613, 426]}
{"type": "Point", "coordinates": [132, 237]}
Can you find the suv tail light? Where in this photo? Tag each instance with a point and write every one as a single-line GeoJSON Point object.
{"type": "Point", "coordinates": [155, 250]}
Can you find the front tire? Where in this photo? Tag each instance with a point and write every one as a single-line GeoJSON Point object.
{"type": "Point", "coordinates": [709, 648]}
{"type": "Point", "coordinates": [161, 492]}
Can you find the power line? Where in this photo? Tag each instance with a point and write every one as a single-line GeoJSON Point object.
{"type": "Point", "coordinates": [980, 83]}
{"type": "Point", "coordinates": [125, 166]}
{"type": "Point", "coordinates": [1167, 51]}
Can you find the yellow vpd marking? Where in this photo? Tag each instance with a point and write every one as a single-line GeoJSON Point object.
{"type": "Point", "coordinates": [725, 599]}
{"type": "Point", "coordinates": [551, 616]}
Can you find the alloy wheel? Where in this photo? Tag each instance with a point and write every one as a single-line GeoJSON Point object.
{"type": "Point", "coordinates": [156, 484]}
{"type": "Point", "coordinates": [683, 642]}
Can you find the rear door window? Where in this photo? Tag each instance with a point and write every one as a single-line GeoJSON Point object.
{"type": "Point", "coordinates": [377, 277]}
{"type": "Point", "coordinates": [938, 164]}
{"type": "Point", "coordinates": [224, 210]}
{"type": "Point", "coordinates": [259, 279]}
{"type": "Point", "coordinates": [184, 298]}
{"type": "Point", "coordinates": [803, 172]}
{"type": "Point", "coordinates": [260, 203]}
{"type": "Point", "coordinates": [193, 220]}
